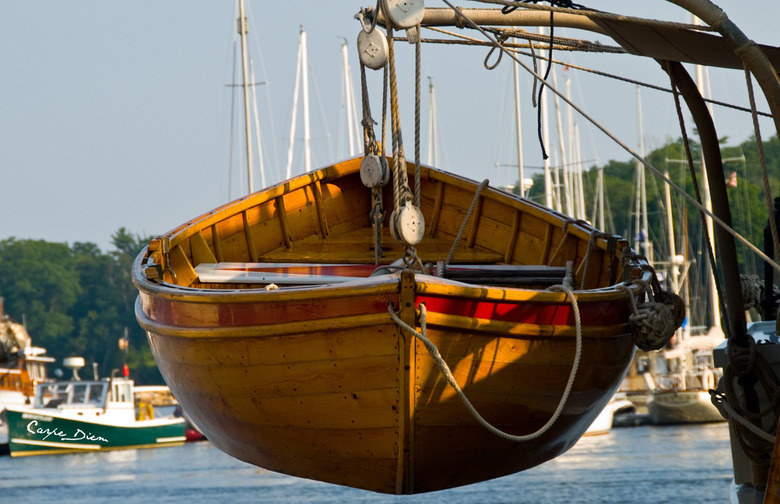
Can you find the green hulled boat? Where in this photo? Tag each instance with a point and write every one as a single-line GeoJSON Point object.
{"type": "Point", "coordinates": [87, 415]}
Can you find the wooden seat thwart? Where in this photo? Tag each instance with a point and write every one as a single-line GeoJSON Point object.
{"type": "Point", "coordinates": [321, 274]}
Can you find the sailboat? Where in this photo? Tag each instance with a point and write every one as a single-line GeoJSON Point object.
{"type": "Point", "coordinates": [469, 335]}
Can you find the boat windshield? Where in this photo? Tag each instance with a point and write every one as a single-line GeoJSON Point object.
{"type": "Point", "coordinates": [71, 394]}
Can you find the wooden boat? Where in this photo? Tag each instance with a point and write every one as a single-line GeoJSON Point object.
{"type": "Point", "coordinates": [273, 328]}
{"type": "Point", "coordinates": [77, 415]}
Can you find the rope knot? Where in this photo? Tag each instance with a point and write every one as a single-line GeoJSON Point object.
{"type": "Point", "coordinates": [653, 323]}
{"type": "Point", "coordinates": [752, 290]}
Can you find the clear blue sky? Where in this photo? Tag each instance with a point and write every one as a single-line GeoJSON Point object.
{"type": "Point", "coordinates": [117, 113]}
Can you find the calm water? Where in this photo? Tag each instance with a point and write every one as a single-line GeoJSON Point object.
{"type": "Point", "coordinates": [629, 465]}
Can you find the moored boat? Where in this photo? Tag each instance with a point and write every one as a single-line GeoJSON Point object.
{"type": "Point", "coordinates": [87, 415]}
{"type": "Point", "coordinates": [682, 378]}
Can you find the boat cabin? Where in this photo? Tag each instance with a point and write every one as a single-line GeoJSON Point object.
{"type": "Point", "coordinates": [98, 397]}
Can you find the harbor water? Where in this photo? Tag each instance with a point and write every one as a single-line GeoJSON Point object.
{"type": "Point", "coordinates": [674, 464]}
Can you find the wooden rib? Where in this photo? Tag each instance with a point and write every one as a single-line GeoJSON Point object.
{"type": "Point", "coordinates": [437, 204]}
{"type": "Point", "coordinates": [217, 243]}
{"type": "Point", "coordinates": [282, 214]}
{"type": "Point", "coordinates": [201, 253]}
{"type": "Point", "coordinates": [474, 223]}
{"type": "Point", "coordinates": [561, 248]}
{"type": "Point", "coordinates": [547, 244]}
{"type": "Point", "coordinates": [180, 263]}
{"type": "Point", "coordinates": [512, 242]}
{"type": "Point", "coordinates": [250, 242]}
{"type": "Point", "coordinates": [315, 189]}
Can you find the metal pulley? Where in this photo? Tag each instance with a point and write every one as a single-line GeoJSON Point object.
{"type": "Point", "coordinates": [372, 48]}
{"type": "Point", "coordinates": [407, 224]}
{"type": "Point", "coordinates": [404, 13]}
{"type": "Point", "coordinates": [374, 171]}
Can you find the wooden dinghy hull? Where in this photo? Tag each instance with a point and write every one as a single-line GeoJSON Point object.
{"type": "Point", "coordinates": [319, 380]}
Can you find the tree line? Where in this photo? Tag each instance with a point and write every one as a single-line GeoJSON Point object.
{"type": "Point", "coordinates": [76, 300]}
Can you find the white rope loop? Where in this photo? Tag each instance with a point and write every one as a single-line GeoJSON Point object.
{"type": "Point", "coordinates": [445, 369]}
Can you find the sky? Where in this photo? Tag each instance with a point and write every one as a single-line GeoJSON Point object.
{"type": "Point", "coordinates": [118, 114]}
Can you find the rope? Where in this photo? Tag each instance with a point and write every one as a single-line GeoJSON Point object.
{"type": "Point", "coordinates": [652, 323]}
{"type": "Point", "coordinates": [595, 14]}
{"type": "Point", "coordinates": [417, 64]}
{"type": "Point", "coordinates": [563, 44]}
{"type": "Point", "coordinates": [541, 90]}
{"type": "Point", "coordinates": [752, 291]}
{"type": "Point", "coordinates": [463, 227]}
{"type": "Point", "coordinates": [746, 367]}
{"type": "Point", "coordinates": [447, 373]}
{"type": "Point", "coordinates": [565, 4]}
{"type": "Point", "coordinates": [720, 400]}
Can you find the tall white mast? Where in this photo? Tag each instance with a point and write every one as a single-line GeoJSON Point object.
{"type": "Point", "coordinates": [293, 119]}
{"type": "Point", "coordinates": [672, 247]}
{"type": "Point", "coordinates": [306, 125]}
{"type": "Point", "coordinates": [567, 186]}
{"type": "Point", "coordinates": [242, 30]}
{"type": "Point", "coordinates": [518, 130]}
{"type": "Point", "coordinates": [301, 74]}
{"type": "Point", "coordinates": [257, 127]}
{"type": "Point", "coordinates": [353, 139]}
{"type": "Point", "coordinates": [703, 86]}
{"type": "Point", "coordinates": [641, 188]}
{"type": "Point", "coordinates": [548, 182]}
{"type": "Point", "coordinates": [433, 153]}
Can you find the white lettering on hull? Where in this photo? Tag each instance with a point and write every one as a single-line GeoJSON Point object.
{"type": "Point", "coordinates": [59, 435]}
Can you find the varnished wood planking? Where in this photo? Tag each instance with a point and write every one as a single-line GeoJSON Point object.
{"type": "Point", "coordinates": [296, 378]}
{"type": "Point", "coordinates": [370, 473]}
{"type": "Point", "coordinates": [315, 344]}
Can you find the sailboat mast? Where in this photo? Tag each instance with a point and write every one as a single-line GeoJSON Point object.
{"type": "Point", "coordinates": [242, 30]}
{"type": "Point", "coordinates": [433, 158]}
{"type": "Point", "coordinates": [548, 182]}
{"type": "Point", "coordinates": [349, 100]}
{"type": "Point", "coordinates": [705, 185]}
{"type": "Point", "coordinates": [672, 247]}
{"type": "Point", "coordinates": [306, 124]}
{"type": "Point", "coordinates": [641, 185]}
{"type": "Point", "coordinates": [567, 186]}
{"type": "Point", "coordinates": [518, 130]}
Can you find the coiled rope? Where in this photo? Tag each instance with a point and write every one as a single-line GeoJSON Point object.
{"type": "Point", "coordinates": [447, 373]}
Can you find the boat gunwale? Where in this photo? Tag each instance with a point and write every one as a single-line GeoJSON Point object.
{"type": "Point", "coordinates": [383, 284]}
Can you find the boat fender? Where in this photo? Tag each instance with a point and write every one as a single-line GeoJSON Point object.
{"type": "Point", "coordinates": [372, 48]}
{"type": "Point", "coordinates": [404, 13]}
